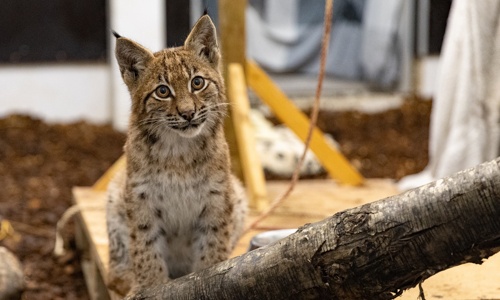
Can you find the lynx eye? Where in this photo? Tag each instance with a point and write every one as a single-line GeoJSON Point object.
{"type": "Point", "coordinates": [197, 83]}
{"type": "Point", "coordinates": [162, 91]}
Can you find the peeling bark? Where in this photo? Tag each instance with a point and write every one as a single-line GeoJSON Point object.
{"type": "Point", "coordinates": [374, 251]}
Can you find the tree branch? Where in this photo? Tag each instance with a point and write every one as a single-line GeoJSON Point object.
{"type": "Point", "coordinates": [374, 251]}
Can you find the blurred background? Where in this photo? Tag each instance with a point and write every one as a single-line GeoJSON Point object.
{"type": "Point", "coordinates": [57, 63]}
{"type": "Point", "coordinates": [64, 107]}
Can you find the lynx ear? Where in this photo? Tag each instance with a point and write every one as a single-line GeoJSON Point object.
{"type": "Point", "coordinates": [203, 41]}
{"type": "Point", "coordinates": [132, 59]}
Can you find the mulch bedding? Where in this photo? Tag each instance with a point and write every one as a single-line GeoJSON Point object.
{"type": "Point", "coordinates": [40, 163]}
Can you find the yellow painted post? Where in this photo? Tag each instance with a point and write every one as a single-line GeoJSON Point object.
{"type": "Point", "coordinates": [253, 173]}
{"type": "Point", "coordinates": [102, 183]}
{"type": "Point", "coordinates": [232, 38]}
{"type": "Point", "coordinates": [332, 160]}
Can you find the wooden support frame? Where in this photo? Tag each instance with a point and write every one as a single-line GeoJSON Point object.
{"type": "Point", "coordinates": [233, 44]}
{"type": "Point", "coordinates": [252, 169]}
{"type": "Point", "coordinates": [334, 162]}
{"type": "Point", "coordinates": [102, 184]}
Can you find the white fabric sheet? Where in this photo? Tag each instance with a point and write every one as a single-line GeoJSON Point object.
{"type": "Point", "coordinates": [465, 116]}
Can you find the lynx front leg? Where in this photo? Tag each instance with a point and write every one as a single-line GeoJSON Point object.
{"type": "Point", "coordinates": [120, 276]}
{"type": "Point", "coordinates": [213, 236]}
{"type": "Point", "coordinates": [147, 242]}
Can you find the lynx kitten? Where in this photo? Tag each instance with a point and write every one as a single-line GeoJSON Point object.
{"type": "Point", "coordinates": [176, 208]}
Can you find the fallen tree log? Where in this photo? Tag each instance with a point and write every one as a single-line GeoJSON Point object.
{"type": "Point", "coordinates": [374, 251]}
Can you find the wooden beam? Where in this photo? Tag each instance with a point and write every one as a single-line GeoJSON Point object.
{"type": "Point", "coordinates": [252, 168]}
{"type": "Point", "coordinates": [232, 31]}
{"type": "Point", "coordinates": [102, 183]}
{"type": "Point", "coordinates": [232, 37]}
{"type": "Point", "coordinates": [332, 160]}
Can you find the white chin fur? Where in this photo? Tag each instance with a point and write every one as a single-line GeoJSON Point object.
{"type": "Point", "coordinates": [191, 132]}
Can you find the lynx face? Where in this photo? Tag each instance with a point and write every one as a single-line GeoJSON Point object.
{"type": "Point", "coordinates": [180, 97]}
{"type": "Point", "coordinates": [178, 89]}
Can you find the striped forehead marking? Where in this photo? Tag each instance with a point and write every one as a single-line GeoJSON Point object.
{"type": "Point", "coordinates": [176, 67]}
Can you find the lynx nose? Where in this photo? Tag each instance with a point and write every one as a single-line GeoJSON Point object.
{"type": "Point", "coordinates": [187, 115]}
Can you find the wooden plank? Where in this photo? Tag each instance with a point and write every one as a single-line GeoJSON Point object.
{"type": "Point", "coordinates": [332, 160]}
{"type": "Point", "coordinates": [311, 201]}
{"type": "Point", "coordinates": [92, 221]}
{"type": "Point", "coordinates": [102, 183]}
{"type": "Point", "coordinates": [232, 38]}
{"type": "Point", "coordinates": [252, 168]}
{"type": "Point", "coordinates": [92, 240]}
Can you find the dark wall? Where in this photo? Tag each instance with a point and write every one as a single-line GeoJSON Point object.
{"type": "Point", "coordinates": [440, 10]}
{"type": "Point", "coordinates": [177, 22]}
{"type": "Point", "coordinates": [52, 31]}
{"type": "Point", "coordinates": [178, 19]}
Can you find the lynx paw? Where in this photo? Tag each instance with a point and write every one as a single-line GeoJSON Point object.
{"type": "Point", "coordinates": [119, 284]}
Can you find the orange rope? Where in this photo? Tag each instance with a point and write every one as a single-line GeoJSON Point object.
{"type": "Point", "coordinates": [313, 118]}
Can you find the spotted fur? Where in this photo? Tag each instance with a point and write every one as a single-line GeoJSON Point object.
{"type": "Point", "coordinates": [176, 208]}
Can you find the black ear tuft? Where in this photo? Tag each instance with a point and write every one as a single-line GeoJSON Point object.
{"type": "Point", "coordinates": [205, 11]}
{"type": "Point", "coordinates": [116, 34]}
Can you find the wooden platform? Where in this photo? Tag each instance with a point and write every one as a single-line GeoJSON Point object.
{"type": "Point", "coordinates": [311, 201]}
